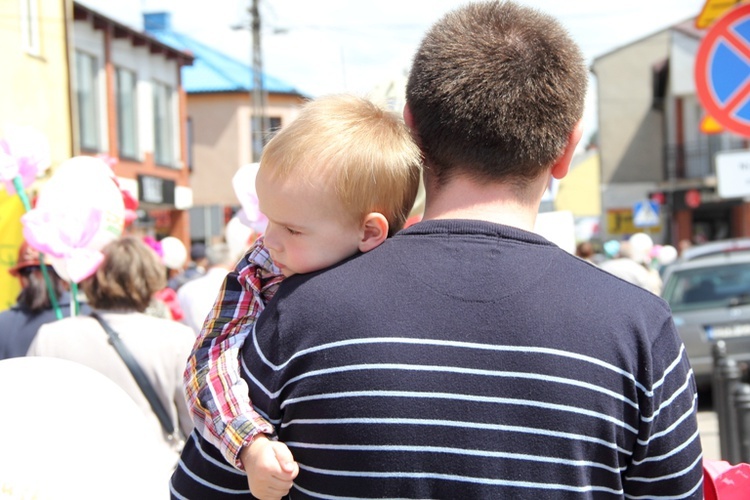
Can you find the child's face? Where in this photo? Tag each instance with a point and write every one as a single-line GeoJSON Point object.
{"type": "Point", "coordinates": [308, 229]}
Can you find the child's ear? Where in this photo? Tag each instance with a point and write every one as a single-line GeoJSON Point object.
{"type": "Point", "coordinates": [408, 117]}
{"type": "Point", "coordinates": [374, 231]}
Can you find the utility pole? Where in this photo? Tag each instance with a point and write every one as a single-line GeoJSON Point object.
{"type": "Point", "coordinates": [259, 121]}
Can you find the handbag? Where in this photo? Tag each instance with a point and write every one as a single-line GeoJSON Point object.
{"type": "Point", "coordinates": [174, 436]}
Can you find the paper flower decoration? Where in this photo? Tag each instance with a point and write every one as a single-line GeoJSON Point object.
{"type": "Point", "coordinates": [243, 183]}
{"type": "Point", "coordinates": [154, 245]}
{"type": "Point", "coordinates": [79, 211]}
{"type": "Point", "coordinates": [66, 237]}
{"type": "Point", "coordinates": [130, 201]}
{"type": "Point", "coordinates": [131, 205]}
{"type": "Point", "coordinates": [174, 254]}
{"type": "Point", "coordinates": [24, 153]}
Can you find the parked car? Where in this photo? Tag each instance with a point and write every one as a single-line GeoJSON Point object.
{"type": "Point", "coordinates": [710, 300]}
{"type": "Point", "coordinates": [716, 247]}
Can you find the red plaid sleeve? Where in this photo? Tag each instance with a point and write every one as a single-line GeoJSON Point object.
{"type": "Point", "coordinates": [216, 394]}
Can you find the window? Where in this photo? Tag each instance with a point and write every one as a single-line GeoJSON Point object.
{"type": "Point", "coordinates": [125, 89]}
{"type": "Point", "coordinates": [163, 125]}
{"type": "Point", "coordinates": [30, 26]}
{"type": "Point", "coordinates": [713, 286]}
{"type": "Point", "coordinates": [271, 125]}
{"type": "Point", "coordinates": [86, 93]}
{"type": "Point", "coordinates": [274, 125]}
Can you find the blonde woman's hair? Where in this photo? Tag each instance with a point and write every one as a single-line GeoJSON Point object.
{"type": "Point", "coordinates": [363, 153]}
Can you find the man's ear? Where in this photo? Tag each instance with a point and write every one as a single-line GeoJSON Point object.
{"type": "Point", "coordinates": [561, 166]}
{"type": "Point", "coordinates": [374, 231]}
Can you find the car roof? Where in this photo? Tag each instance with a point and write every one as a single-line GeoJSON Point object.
{"type": "Point", "coordinates": [714, 260]}
{"type": "Point", "coordinates": [715, 247]}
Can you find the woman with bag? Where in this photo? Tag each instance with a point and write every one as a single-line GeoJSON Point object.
{"type": "Point", "coordinates": [143, 354]}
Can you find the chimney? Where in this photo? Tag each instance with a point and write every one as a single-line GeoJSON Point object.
{"type": "Point", "coordinates": [157, 21]}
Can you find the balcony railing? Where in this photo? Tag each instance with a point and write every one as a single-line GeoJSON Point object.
{"type": "Point", "coordinates": [695, 160]}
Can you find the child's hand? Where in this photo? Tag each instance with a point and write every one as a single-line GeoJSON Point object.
{"type": "Point", "coordinates": [270, 468]}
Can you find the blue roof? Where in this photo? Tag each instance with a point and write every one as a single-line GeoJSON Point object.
{"type": "Point", "coordinates": [213, 71]}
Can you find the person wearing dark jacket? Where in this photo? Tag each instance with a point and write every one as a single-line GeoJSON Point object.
{"type": "Point", "coordinates": [33, 307]}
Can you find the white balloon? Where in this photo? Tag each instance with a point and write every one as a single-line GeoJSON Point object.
{"type": "Point", "coordinates": [667, 255]}
{"type": "Point", "coordinates": [175, 253]}
{"type": "Point", "coordinates": [640, 247]}
{"type": "Point", "coordinates": [74, 433]}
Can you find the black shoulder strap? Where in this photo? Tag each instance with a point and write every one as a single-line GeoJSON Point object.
{"type": "Point", "coordinates": [138, 375]}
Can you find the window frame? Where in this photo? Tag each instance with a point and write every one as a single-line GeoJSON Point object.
{"type": "Point", "coordinates": [88, 105]}
{"type": "Point", "coordinates": [127, 115]}
{"type": "Point", "coordinates": [165, 153]}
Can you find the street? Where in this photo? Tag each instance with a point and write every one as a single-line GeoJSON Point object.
{"type": "Point", "coordinates": [709, 430]}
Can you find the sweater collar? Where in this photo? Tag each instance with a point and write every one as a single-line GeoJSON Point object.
{"type": "Point", "coordinates": [473, 227]}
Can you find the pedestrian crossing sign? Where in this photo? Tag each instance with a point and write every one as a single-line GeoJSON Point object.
{"type": "Point", "coordinates": [646, 214]}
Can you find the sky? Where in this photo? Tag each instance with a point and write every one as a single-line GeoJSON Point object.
{"type": "Point", "coordinates": [329, 46]}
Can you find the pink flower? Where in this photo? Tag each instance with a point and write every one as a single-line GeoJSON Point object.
{"type": "Point", "coordinates": [65, 236]}
{"type": "Point", "coordinates": [243, 183]}
{"type": "Point", "coordinates": [24, 153]}
{"type": "Point", "coordinates": [154, 245]}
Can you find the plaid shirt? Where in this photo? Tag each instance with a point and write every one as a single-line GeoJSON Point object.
{"type": "Point", "coordinates": [216, 394]}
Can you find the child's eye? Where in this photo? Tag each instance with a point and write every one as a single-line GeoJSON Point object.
{"type": "Point", "coordinates": [292, 231]}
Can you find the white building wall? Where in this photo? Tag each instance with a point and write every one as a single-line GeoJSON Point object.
{"type": "Point", "coordinates": [631, 131]}
{"type": "Point", "coordinates": [148, 68]}
{"type": "Point", "coordinates": [681, 64]}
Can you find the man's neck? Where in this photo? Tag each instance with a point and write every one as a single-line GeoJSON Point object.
{"type": "Point", "coordinates": [498, 202]}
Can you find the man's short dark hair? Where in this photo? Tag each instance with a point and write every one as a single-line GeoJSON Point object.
{"type": "Point", "coordinates": [495, 90]}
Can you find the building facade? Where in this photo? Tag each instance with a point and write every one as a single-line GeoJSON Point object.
{"type": "Point", "coordinates": [34, 92]}
{"type": "Point", "coordinates": [652, 147]}
{"type": "Point", "coordinates": [129, 105]}
{"type": "Point", "coordinates": [579, 193]}
{"type": "Point", "coordinates": [220, 123]}
{"type": "Point", "coordinates": [34, 87]}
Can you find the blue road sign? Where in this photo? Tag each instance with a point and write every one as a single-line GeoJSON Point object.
{"type": "Point", "coordinates": [646, 214]}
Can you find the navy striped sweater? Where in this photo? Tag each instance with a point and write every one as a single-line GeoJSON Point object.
{"type": "Point", "coordinates": [463, 359]}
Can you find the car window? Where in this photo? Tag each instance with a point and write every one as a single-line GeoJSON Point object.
{"type": "Point", "coordinates": [707, 287]}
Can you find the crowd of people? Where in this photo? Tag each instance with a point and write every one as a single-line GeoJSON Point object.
{"type": "Point", "coordinates": [635, 258]}
{"type": "Point", "coordinates": [350, 354]}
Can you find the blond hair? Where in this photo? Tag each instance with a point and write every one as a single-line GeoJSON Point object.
{"type": "Point", "coordinates": [362, 152]}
